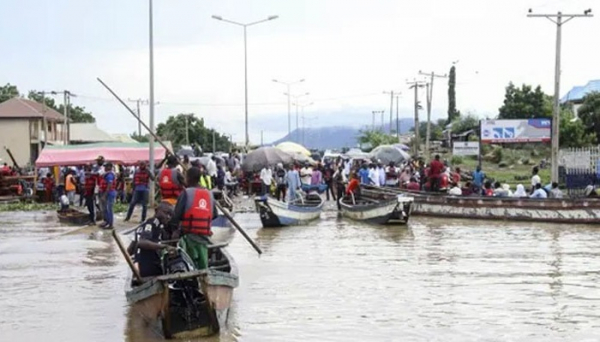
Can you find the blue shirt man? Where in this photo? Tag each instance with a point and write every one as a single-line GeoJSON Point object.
{"type": "Point", "coordinates": [539, 192]}
{"type": "Point", "coordinates": [478, 177]}
{"type": "Point", "coordinates": [363, 173]}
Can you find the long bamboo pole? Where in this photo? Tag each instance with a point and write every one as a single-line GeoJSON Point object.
{"type": "Point", "coordinates": [217, 204]}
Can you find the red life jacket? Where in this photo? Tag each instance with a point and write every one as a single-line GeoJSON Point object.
{"type": "Point", "coordinates": [489, 192]}
{"type": "Point", "coordinates": [90, 184]}
{"type": "Point", "coordinates": [103, 184]}
{"type": "Point", "coordinates": [141, 177]}
{"type": "Point", "coordinates": [197, 216]}
{"type": "Point", "coordinates": [169, 185]}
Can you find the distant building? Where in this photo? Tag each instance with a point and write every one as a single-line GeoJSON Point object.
{"type": "Point", "coordinates": [82, 133]}
{"type": "Point", "coordinates": [23, 129]}
{"type": "Point", "coordinates": [575, 96]}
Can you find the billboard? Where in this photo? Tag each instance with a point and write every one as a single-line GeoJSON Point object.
{"type": "Point", "coordinates": [465, 148]}
{"type": "Point", "coordinates": [516, 131]}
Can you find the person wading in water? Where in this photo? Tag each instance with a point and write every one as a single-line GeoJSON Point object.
{"type": "Point", "coordinates": [194, 212]}
{"type": "Point", "coordinates": [170, 181]}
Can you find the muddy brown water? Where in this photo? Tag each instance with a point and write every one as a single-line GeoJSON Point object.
{"type": "Point", "coordinates": [336, 280]}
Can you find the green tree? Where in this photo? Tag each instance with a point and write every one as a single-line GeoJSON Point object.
{"type": "Point", "coordinates": [435, 131]}
{"type": "Point", "coordinates": [573, 132]}
{"type": "Point", "coordinates": [525, 103]}
{"type": "Point", "coordinates": [589, 113]}
{"type": "Point", "coordinates": [452, 112]}
{"type": "Point", "coordinates": [139, 138]}
{"type": "Point", "coordinates": [8, 91]}
{"type": "Point", "coordinates": [174, 130]}
{"type": "Point", "coordinates": [77, 114]}
{"type": "Point", "coordinates": [465, 123]}
{"type": "Point", "coordinates": [375, 138]}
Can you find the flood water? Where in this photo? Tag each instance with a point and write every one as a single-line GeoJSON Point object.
{"type": "Point", "coordinates": [435, 280]}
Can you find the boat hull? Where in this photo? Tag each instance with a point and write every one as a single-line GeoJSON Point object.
{"type": "Point", "coordinates": [574, 211]}
{"type": "Point", "coordinates": [274, 213]}
{"type": "Point", "coordinates": [152, 301]}
{"type": "Point", "coordinates": [73, 217]}
{"type": "Point", "coordinates": [394, 210]}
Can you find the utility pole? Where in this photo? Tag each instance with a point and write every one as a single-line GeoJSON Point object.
{"type": "Point", "coordinates": [296, 97]}
{"type": "Point", "coordinates": [376, 112]}
{"type": "Point", "coordinates": [187, 131]}
{"type": "Point", "coordinates": [151, 81]}
{"type": "Point", "coordinates": [416, 143]}
{"type": "Point", "coordinates": [214, 142]}
{"type": "Point", "coordinates": [289, 92]}
{"type": "Point", "coordinates": [559, 19]}
{"type": "Point", "coordinates": [392, 93]}
{"type": "Point", "coordinates": [261, 138]}
{"type": "Point", "coordinates": [429, 99]}
{"type": "Point", "coordinates": [397, 119]}
{"type": "Point", "coordinates": [45, 120]}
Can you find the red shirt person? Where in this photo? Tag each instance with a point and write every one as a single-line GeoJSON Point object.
{"type": "Point", "coordinates": [435, 170]}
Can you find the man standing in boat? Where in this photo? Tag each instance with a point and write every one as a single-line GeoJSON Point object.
{"type": "Point", "coordinates": [170, 181]}
{"type": "Point", "coordinates": [141, 179]}
{"type": "Point", "coordinates": [194, 212]}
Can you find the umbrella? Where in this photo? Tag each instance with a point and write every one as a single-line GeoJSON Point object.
{"type": "Point", "coordinates": [301, 158]}
{"type": "Point", "coordinates": [356, 153]}
{"type": "Point", "coordinates": [389, 153]}
{"type": "Point", "coordinates": [402, 147]}
{"type": "Point", "coordinates": [265, 156]}
{"type": "Point", "coordinates": [291, 147]}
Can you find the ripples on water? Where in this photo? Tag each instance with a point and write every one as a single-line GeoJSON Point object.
{"type": "Point", "coordinates": [438, 280]}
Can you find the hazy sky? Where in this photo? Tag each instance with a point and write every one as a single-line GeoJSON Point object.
{"type": "Point", "coordinates": [348, 51]}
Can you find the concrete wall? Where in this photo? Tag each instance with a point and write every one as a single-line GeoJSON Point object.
{"type": "Point", "coordinates": [14, 134]}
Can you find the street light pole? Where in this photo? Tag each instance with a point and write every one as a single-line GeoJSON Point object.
{"type": "Point", "coordinates": [296, 97]}
{"type": "Point", "coordinates": [289, 91]}
{"type": "Point", "coordinates": [558, 20]}
{"type": "Point", "coordinates": [151, 121]}
{"type": "Point", "coordinates": [272, 17]}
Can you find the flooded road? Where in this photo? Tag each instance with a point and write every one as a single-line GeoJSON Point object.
{"type": "Point", "coordinates": [437, 280]}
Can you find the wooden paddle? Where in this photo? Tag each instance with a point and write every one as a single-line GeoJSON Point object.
{"type": "Point", "coordinates": [217, 204]}
{"type": "Point", "coordinates": [136, 272]}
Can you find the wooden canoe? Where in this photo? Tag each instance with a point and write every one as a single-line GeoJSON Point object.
{"type": "Point", "coordinates": [73, 216]}
{"type": "Point", "coordinates": [378, 207]}
{"type": "Point", "coordinates": [567, 210]}
{"type": "Point", "coordinates": [274, 213]}
{"type": "Point", "coordinates": [176, 304]}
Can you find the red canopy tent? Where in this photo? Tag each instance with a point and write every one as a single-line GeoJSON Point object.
{"type": "Point", "coordinates": [114, 152]}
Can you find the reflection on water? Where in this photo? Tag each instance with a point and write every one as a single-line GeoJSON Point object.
{"type": "Point", "coordinates": [450, 280]}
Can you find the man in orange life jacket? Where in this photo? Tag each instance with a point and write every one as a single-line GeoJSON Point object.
{"type": "Point", "coordinates": [141, 178]}
{"type": "Point", "coordinates": [171, 181]}
{"type": "Point", "coordinates": [89, 185]}
{"type": "Point", "coordinates": [194, 212]}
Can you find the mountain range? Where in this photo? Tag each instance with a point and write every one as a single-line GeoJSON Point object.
{"type": "Point", "coordinates": [336, 137]}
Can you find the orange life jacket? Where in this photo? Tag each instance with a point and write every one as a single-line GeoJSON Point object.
{"type": "Point", "coordinates": [169, 185]}
{"type": "Point", "coordinates": [198, 212]}
{"type": "Point", "coordinates": [141, 177]}
{"type": "Point", "coordinates": [69, 186]}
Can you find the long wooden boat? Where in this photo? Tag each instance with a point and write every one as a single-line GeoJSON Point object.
{"type": "Point", "coordinates": [73, 216]}
{"type": "Point", "coordinates": [378, 207]}
{"type": "Point", "coordinates": [567, 210]}
{"type": "Point", "coordinates": [184, 303]}
{"type": "Point", "coordinates": [274, 213]}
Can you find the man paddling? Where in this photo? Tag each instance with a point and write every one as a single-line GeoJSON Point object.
{"type": "Point", "coordinates": [147, 246]}
{"type": "Point", "coordinates": [194, 212]}
{"type": "Point", "coordinates": [170, 181]}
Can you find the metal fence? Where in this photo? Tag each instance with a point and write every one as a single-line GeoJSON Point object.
{"type": "Point", "coordinates": [580, 167]}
